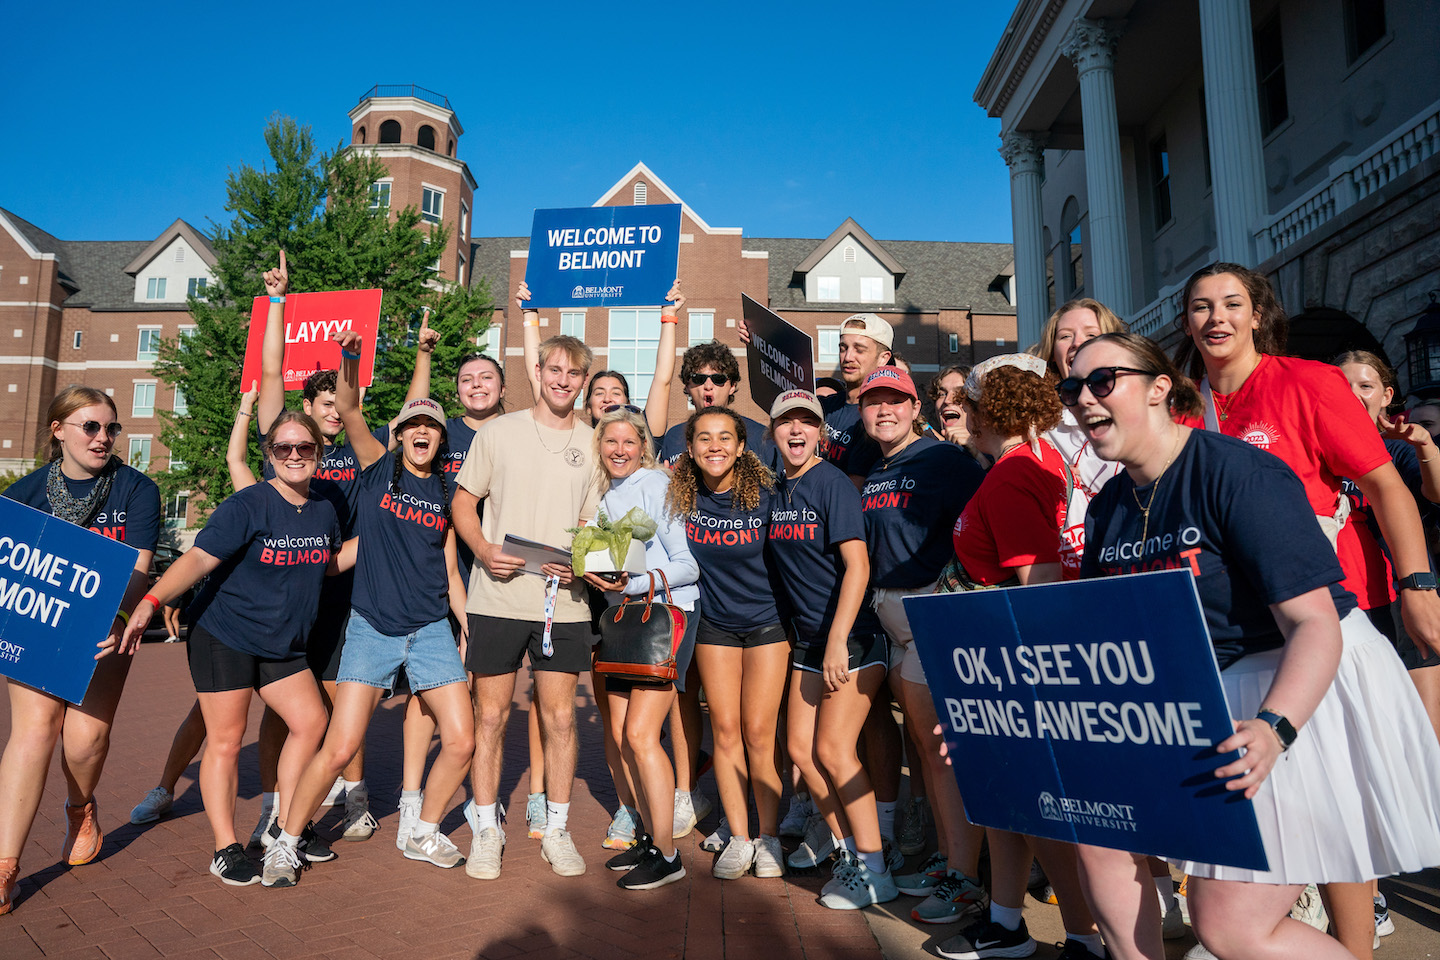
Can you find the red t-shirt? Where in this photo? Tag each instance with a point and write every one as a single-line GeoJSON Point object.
{"type": "Point", "coordinates": [1014, 519]}
{"type": "Point", "coordinates": [1305, 413]}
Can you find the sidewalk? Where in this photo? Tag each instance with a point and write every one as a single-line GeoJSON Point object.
{"type": "Point", "coordinates": [150, 894]}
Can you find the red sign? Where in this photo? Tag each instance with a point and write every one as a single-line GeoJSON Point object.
{"type": "Point", "coordinates": [311, 319]}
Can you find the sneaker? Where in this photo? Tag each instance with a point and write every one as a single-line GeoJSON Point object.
{"type": "Point", "coordinates": [769, 858]}
{"type": "Point", "coordinates": [486, 849]}
{"type": "Point", "coordinates": [924, 881]}
{"type": "Point", "coordinates": [1384, 926]}
{"type": "Point", "coordinates": [9, 883]}
{"type": "Point", "coordinates": [536, 815]}
{"type": "Point", "coordinates": [910, 838]}
{"type": "Point", "coordinates": [1309, 909]}
{"type": "Point", "coordinates": [717, 840]}
{"type": "Point", "coordinates": [818, 844]}
{"type": "Point", "coordinates": [988, 939]}
{"type": "Point", "coordinates": [621, 833]}
{"type": "Point", "coordinates": [336, 795]}
{"type": "Point", "coordinates": [1037, 879]}
{"type": "Point", "coordinates": [311, 847]}
{"type": "Point", "coordinates": [1198, 952]}
{"type": "Point", "coordinates": [261, 836]}
{"type": "Point", "coordinates": [953, 899]}
{"type": "Point", "coordinates": [434, 848]}
{"type": "Point", "coordinates": [793, 823]}
{"type": "Point", "coordinates": [282, 866]}
{"type": "Point", "coordinates": [702, 806]}
{"type": "Point", "coordinates": [653, 871]}
{"type": "Point", "coordinates": [894, 859]}
{"type": "Point", "coordinates": [156, 804]}
{"type": "Point", "coordinates": [685, 818]}
{"type": "Point", "coordinates": [855, 886]}
{"type": "Point", "coordinates": [409, 816]}
{"type": "Point", "coordinates": [358, 824]}
{"type": "Point", "coordinates": [1172, 927]}
{"type": "Point", "coordinates": [735, 860]}
{"type": "Point", "coordinates": [233, 867]}
{"type": "Point", "coordinates": [1075, 950]}
{"type": "Point", "coordinates": [558, 850]}
{"type": "Point", "coordinates": [630, 858]}
{"type": "Point", "coordinates": [82, 835]}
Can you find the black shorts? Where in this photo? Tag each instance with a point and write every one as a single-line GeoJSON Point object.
{"type": "Point", "coordinates": [327, 636]}
{"type": "Point", "coordinates": [865, 649]}
{"type": "Point", "coordinates": [216, 668]}
{"type": "Point", "coordinates": [759, 637]}
{"type": "Point", "coordinates": [497, 645]}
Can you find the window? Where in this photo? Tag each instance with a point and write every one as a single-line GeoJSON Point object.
{"type": "Point", "coordinates": [827, 345]}
{"type": "Point", "coordinates": [1270, 75]}
{"type": "Point", "coordinates": [390, 131]}
{"type": "Point", "coordinates": [464, 220]}
{"type": "Point", "coordinates": [178, 506]}
{"type": "Point", "coordinates": [195, 289]}
{"type": "Point", "coordinates": [872, 290]}
{"type": "Point", "coordinates": [155, 288]}
{"type": "Point", "coordinates": [1077, 263]}
{"type": "Point", "coordinates": [149, 345]}
{"type": "Point", "coordinates": [360, 135]}
{"type": "Point", "coordinates": [434, 266]}
{"type": "Point", "coordinates": [182, 405]}
{"type": "Point", "coordinates": [1160, 181]}
{"type": "Point", "coordinates": [78, 337]}
{"type": "Point", "coordinates": [954, 343]}
{"type": "Point", "coordinates": [827, 288]}
{"type": "Point", "coordinates": [572, 324]}
{"type": "Point", "coordinates": [380, 195]}
{"type": "Point", "coordinates": [140, 453]}
{"type": "Point", "coordinates": [176, 464]}
{"type": "Point", "coordinates": [702, 326]}
{"type": "Point", "coordinates": [144, 405]}
{"type": "Point", "coordinates": [432, 204]}
{"type": "Point", "coordinates": [491, 341]}
{"type": "Point", "coordinates": [634, 337]}
{"type": "Point", "coordinates": [426, 137]}
{"type": "Point", "coordinates": [641, 193]}
{"type": "Point", "coordinates": [1364, 27]}
{"type": "Point", "coordinates": [460, 269]}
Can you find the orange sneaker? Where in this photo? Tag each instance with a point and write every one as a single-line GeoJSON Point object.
{"type": "Point", "coordinates": [83, 838]}
{"type": "Point", "coordinates": [9, 882]}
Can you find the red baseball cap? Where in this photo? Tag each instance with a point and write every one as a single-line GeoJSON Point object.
{"type": "Point", "coordinates": [890, 378]}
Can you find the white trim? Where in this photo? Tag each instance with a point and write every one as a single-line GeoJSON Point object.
{"type": "Point", "coordinates": [754, 254]}
{"type": "Point", "coordinates": [652, 180]}
{"type": "Point", "coordinates": [410, 105]}
{"type": "Point", "coordinates": [20, 361]}
{"type": "Point", "coordinates": [30, 249]}
{"type": "Point", "coordinates": [29, 303]}
{"type": "Point", "coordinates": [416, 152]}
{"type": "Point", "coordinates": [519, 254]}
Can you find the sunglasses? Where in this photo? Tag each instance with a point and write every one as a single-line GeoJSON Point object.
{"type": "Point", "coordinates": [698, 379]}
{"type": "Point", "coordinates": [1101, 383]}
{"type": "Point", "coordinates": [623, 406]}
{"type": "Point", "coordinates": [92, 427]}
{"type": "Point", "coordinates": [283, 451]}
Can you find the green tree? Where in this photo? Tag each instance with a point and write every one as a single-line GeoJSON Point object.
{"type": "Point", "coordinates": [317, 207]}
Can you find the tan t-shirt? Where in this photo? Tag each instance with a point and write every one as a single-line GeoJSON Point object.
{"type": "Point", "coordinates": [536, 483]}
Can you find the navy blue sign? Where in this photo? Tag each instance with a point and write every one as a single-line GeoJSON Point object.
{"type": "Point", "coordinates": [779, 356]}
{"type": "Point", "coordinates": [1088, 712]}
{"type": "Point", "coordinates": [603, 256]}
{"type": "Point", "coordinates": [60, 586]}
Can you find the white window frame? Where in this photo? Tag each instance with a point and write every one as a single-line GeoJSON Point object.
{"type": "Point", "coordinates": [141, 354]}
{"type": "Point", "coordinates": [179, 500]}
{"type": "Point", "coordinates": [180, 405]}
{"type": "Point", "coordinates": [572, 324]}
{"type": "Point", "coordinates": [155, 288]}
{"type": "Point", "coordinates": [823, 356]}
{"type": "Point", "coordinates": [494, 337]}
{"type": "Point", "coordinates": [878, 289]}
{"type": "Point", "coordinates": [702, 326]}
{"type": "Point", "coordinates": [639, 373]}
{"type": "Point", "coordinates": [197, 287]}
{"type": "Point", "coordinates": [143, 388]}
{"type": "Point", "coordinates": [954, 343]}
{"type": "Point", "coordinates": [145, 443]}
{"type": "Point", "coordinates": [821, 283]}
{"type": "Point", "coordinates": [426, 192]}
{"type": "Point", "coordinates": [464, 220]}
{"type": "Point", "coordinates": [377, 194]}
{"type": "Point", "coordinates": [79, 337]}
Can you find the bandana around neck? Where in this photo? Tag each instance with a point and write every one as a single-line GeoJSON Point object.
{"type": "Point", "coordinates": [79, 511]}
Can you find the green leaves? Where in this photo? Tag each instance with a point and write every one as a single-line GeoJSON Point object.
{"type": "Point", "coordinates": [612, 536]}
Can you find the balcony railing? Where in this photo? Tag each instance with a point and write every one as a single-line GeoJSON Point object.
{"type": "Point", "coordinates": [406, 90]}
{"type": "Point", "coordinates": [1156, 319]}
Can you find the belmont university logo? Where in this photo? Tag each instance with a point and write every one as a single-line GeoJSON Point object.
{"type": "Point", "coordinates": [1089, 813]}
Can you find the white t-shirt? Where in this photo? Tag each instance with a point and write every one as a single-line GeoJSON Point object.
{"type": "Point", "coordinates": [1090, 473]}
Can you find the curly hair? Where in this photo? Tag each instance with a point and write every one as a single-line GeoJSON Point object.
{"type": "Point", "coordinates": [1146, 354]}
{"type": "Point", "coordinates": [436, 463]}
{"type": "Point", "coordinates": [642, 430]}
{"type": "Point", "coordinates": [66, 402]}
{"type": "Point", "coordinates": [321, 381]}
{"type": "Point", "coordinates": [749, 473]}
{"type": "Point", "coordinates": [713, 354]}
{"type": "Point", "coordinates": [1016, 403]}
{"type": "Point", "coordinates": [1274, 324]}
{"type": "Point", "coordinates": [1104, 317]}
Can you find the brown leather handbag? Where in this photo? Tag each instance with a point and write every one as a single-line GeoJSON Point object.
{"type": "Point", "coordinates": [639, 640]}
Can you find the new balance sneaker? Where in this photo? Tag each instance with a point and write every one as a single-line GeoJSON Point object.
{"type": "Point", "coordinates": [558, 850]}
{"type": "Point", "coordinates": [486, 850]}
{"type": "Point", "coordinates": [953, 899]}
{"type": "Point", "coordinates": [1198, 952]}
{"type": "Point", "coordinates": [1309, 909]}
{"type": "Point", "coordinates": [536, 815]}
{"type": "Point", "coordinates": [1384, 926]}
{"type": "Point", "coordinates": [735, 860]}
{"type": "Point", "coordinates": [630, 859]}
{"type": "Point", "coordinates": [282, 866]}
{"type": "Point", "coordinates": [894, 859]}
{"type": "Point", "coordinates": [358, 824]}
{"type": "Point", "coordinates": [336, 794]}
{"type": "Point", "coordinates": [915, 815]}
{"type": "Point", "coordinates": [818, 844]}
{"type": "Point", "coordinates": [793, 823]}
{"type": "Point", "coordinates": [1075, 950]}
{"type": "Point", "coordinates": [409, 816]}
{"type": "Point", "coordinates": [717, 840]}
{"type": "Point", "coordinates": [156, 804]}
{"type": "Point", "coordinates": [924, 881]}
{"type": "Point", "coordinates": [1172, 925]}
{"type": "Point", "coordinates": [261, 836]}
{"type": "Point", "coordinates": [685, 818]}
{"type": "Point", "coordinates": [769, 858]}
{"type": "Point", "coordinates": [434, 848]}
{"type": "Point", "coordinates": [233, 867]}
{"type": "Point", "coordinates": [311, 847]}
{"type": "Point", "coordinates": [854, 886]}
{"type": "Point", "coordinates": [652, 871]}
{"type": "Point", "coordinates": [988, 939]}
{"type": "Point", "coordinates": [621, 833]}
{"type": "Point", "coordinates": [83, 835]}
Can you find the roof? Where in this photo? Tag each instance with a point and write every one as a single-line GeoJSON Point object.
{"type": "Point", "coordinates": [852, 229]}
{"type": "Point", "coordinates": [179, 228]}
{"type": "Point", "coordinates": [490, 258]}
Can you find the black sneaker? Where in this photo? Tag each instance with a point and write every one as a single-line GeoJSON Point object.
{"type": "Point", "coordinates": [311, 847]}
{"type": "Point", "coordinates": [988, 939]}
{"type": "Point", "coordinates": [1075, 950]}
{"type": "Point", "coordinates": [233, 867]}
{"type": "Point", "coordinates": [653, 871]}
{"type": "Point", "coordinates": [630, 859]}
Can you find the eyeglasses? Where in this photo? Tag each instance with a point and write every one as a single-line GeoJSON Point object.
{"type": "Point", "coordinates": [92, 427]}
{"type": "Point", "coordinates": [623, 406]}
{"type": "Point", "coordinates": [698, 379]}
{"type": "Point", "coordinates": [1101, 383]}
{"type": "Point", "coordinates": [283, 451]}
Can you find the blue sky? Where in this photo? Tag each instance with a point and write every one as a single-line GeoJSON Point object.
{"type": "Point", "coordinates": [780, 118]}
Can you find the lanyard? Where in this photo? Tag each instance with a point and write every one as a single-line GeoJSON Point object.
{"type": "Point", "coordinates": [552, 586]}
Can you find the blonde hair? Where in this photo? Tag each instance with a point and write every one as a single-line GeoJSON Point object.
{"type": "Point", "coordinates": [574, 348]}
{"type": "Point", "coordinates": [642, 430]}
{"type": "Point", "coordinates": [66, 402]}
{"type": "Point", "coordinates": [1104, 316]}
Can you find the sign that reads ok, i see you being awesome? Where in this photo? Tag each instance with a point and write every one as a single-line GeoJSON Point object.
{"type": "Point", "coordinates": [779, 357]}
{"type": "Point", "coordinates": [60, 586]}
{"type": "Point", "coordinates": [603, 256]}
{"type": "Point", "coordinates": [311, 320]}
{"type": "Point", "coordinates": [1088, 712]}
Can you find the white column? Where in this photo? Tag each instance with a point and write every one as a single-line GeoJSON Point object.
{"type": "Point", "coordinates": [1024, 154]}
{"type": "Point", "coordinates": [1232, 106]}
{"type": "Point", "coordinates": [1090, 45]}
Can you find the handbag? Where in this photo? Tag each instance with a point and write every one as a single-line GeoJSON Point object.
{"type": "Point", "coordinates": [639, 639]}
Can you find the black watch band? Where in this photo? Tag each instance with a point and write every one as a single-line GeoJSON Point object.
{"type": "Point", "coordinates": [1283, 728]}
{"type": "Point", "coordinates": [1418, 581]}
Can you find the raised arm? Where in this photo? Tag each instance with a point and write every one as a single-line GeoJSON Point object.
{"type": "Point", "coordinates": [657, 404]}
{"type": "Point", "coordinates": [347, 401]}
{"type": "Point", "coordinates": [1425, 452]}
{"type": "Point", "coordinates": [272, 351]}
{"type": "Point", "coordinates": [530, 327]}
{"type": "Point", "coordinates": [237, 453]}
{"type": "Point", "coordinates": [424, 347]}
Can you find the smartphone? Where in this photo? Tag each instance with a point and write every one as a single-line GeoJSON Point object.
{"type": "Point", "coordinates": [611, 577]}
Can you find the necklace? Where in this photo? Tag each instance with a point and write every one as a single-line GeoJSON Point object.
{"type": "Point", "coordinates": [1145, 507]}
{"type": "Point", "coordinates": [1008, 448]}
{"type": "Point", "coordinates": [564, 447]}
{"type": "Point", "coordinates": [792, 482]}
{"type": "Point", "coordinates": [885, 463]}
{"type": "Point", "coordinates": [1221, 410]}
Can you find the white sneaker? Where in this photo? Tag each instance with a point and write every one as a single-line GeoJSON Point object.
{"type": "Point", "coordinates": [685, 818]}
{"type": "Point", "coordinates": [261, 836]}
{"type": "Point", "coordinates": [336, 794]}
{"type": "Point", "coordinates": [282, 866]}
{"type": "Point", "coordinates": [486, 850]}
{"type": "Point", "coordinates": [358, 824]}
{"type": "Point", "coordinates": [717, 840]}
{"type": "Point", "coordinates": [1198, 952]}
{"type": "Point", "coordinates": [558, 850]}
{"type": "Point", "coordinates": [793, 823]}
{"type": "Point", "coordinates": [702, 806]}
{"type": "Point", "coordinates": [818, 844]}
{"type": "Point", "coordinates": [409, 816]}
{"type": "Point", "coordinates": [735, 860]}
{"type": "Point", "coordinates": [769, 858]}
{"type": "Point", "coordinates": [1309, 909]}
{"type": "Point", "coordinates": [156, 804]}
{"type": "Point", "coordinates": [434, 848]}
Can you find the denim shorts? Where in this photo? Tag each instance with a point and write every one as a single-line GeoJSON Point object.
{"type": "Point", "coordinates": [430, 656]}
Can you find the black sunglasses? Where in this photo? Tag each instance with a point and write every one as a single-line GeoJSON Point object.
{"type": "Point", "coordinates": [92, 427]}
{"type": "Point", "coordinates": [698, 379]}
{"type": "Point", "coordinates": [282, 451]}
{"type": "Point", "coordinates": [623, 406]}
{"type": "Point", "coordinates": [1101, 383]}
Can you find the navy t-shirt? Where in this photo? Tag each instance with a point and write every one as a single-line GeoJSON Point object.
{"type": "Point", "coordinates": [458, 437]}
{"type": "Point", "coordinates": [264, 596]}
{"type": "Point", "coordinates": [130, 514]}
{"type": "Point", "coordinates": [846, 444]}
{"type": "Point", "coordinates": [910, 503]}
{"type": "Point", "coordinates": [1238, 519]}
{"type": "Point", "coordinates": [337, 478]}
{"type": "Point", "coordinates": [401, 583]}
{"type": "Point", "coordinates": [757, 438]}
{"type": "Point", "coordinates": [809, 518]}
{"type": "Point", "coordinates": [737, 576]}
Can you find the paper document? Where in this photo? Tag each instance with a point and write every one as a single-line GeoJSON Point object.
{"type": "Point", "coordinates": [534, 553]}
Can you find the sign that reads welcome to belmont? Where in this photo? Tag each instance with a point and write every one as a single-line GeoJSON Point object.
{"type": "Point", "coordinates": [1088, 712]}
{"type": "Point", "coordinates": [603, 256]}
{"type": "Point", "coordinates": [779, 357]}
{"type": "Point", "coordinates": [311, 320]}
{"type": "Point", "coordinates": [60, 586]}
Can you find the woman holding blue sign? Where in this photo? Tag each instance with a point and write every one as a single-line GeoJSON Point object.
{"type": "Point", "coordinates": [1339, 757]}
{"type": "Point", "coordinates": [84, 483]}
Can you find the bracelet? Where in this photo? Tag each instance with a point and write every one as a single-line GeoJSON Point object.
{"type": "Point", "coordinates": [348, 355]}
{"type": "Point", "coordinates": [123, 617]}
{"type": "Point", "coordinates": [243, 413]}
{"type": "Point", "coordinates": [153, 600]}
{"type": "Point", "coordinates": [529, 323]}
{"type": "Point", "coordinates": [1427, 459]}
{"type": "Point", "coordinates": [669, 318]}
{"type": "Point", "coordinates": [279, 299]}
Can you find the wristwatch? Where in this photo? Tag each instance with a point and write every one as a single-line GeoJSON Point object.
{"type": "Point", "coordinates": [1282, 727]}
{"type": "Point", "coordinates": [1418, 581]}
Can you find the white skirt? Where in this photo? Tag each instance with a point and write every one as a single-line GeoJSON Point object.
{"type": "Point", "coordinates": [1357, 796]}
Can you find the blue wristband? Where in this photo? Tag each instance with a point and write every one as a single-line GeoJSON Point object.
{"type": "Point", "coordinates": [348, 355]}
{"type": "Point", "coordinates": [279, 299]}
